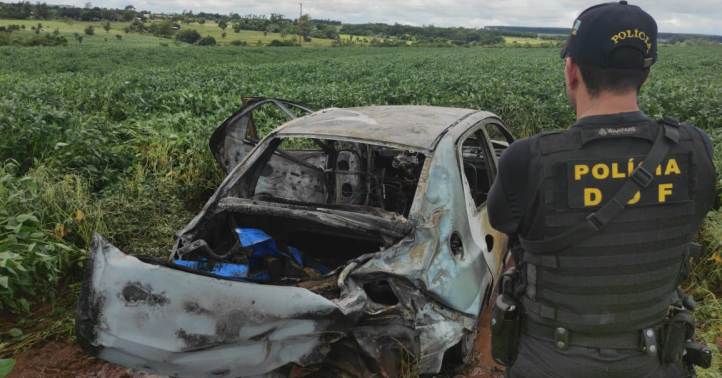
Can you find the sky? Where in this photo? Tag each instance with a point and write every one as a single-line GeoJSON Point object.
{"type": "Point", "coordinates": [673, 16]}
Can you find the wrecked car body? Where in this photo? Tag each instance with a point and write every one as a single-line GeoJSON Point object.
{"type": "Point", "coordinates": [350, 241]}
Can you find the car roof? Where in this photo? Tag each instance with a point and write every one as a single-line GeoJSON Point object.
{"type": "Point", "coordinates": [413, 126]}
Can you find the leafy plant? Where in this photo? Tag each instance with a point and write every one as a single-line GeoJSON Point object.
{"type": "Point", "coordinates": [6, 367]}
{"type": "Point", "coordinates": [33, 256]}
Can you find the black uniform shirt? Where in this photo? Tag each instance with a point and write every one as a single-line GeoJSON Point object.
{"type": "Point", "coordinates": [511, 200]}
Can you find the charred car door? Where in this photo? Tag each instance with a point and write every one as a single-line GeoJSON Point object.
{"type": "Point", "coordinates": [497, 139]}
{"type": "Point", "coordinates": [479, 150]}
{"type": "Point", "coordinates": [238, 134]}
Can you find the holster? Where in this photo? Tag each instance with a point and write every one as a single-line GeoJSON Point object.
{"type": "Point", "coordinates": [676, 331]}
{"type": "Point", "coordinates": [506, 321]}
{"type": "Point", "coordinates": [677, 344]}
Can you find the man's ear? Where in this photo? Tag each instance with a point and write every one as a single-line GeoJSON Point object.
{"type": "Point", "coordinates": [572, 75]}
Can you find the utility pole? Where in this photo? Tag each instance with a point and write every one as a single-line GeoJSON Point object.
{"type": "Point", "coordinates": [300, 31]}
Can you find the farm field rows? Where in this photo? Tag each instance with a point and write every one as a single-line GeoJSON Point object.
{"type": "Point", "coordinates": [112, 138]}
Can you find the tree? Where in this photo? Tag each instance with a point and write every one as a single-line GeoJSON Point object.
{"type": "Point", "coordinates": [164, 29]}
{"type": "Point", "coordinates": [207, 41]}
{"type": "Point", "coordinates": [20, 11]}
{"type": "Point", "coordinates": [42, 11]}
{"type": "Point", "coordinates": [223, 25]}
{"type": "Point", "coordinates": [106, 26]}
{"type": "Point", "coordinates": [89, 30]}
{"type": "Point", "coordinates": [304, 27]}
{"type": "Point", "coordinates": [188, 36]}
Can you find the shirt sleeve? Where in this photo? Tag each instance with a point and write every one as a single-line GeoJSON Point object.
{"type": "Point", "coordinates": [707, 143]}
{"type": "Point", "coordinates": [507, 199]}
{"type": "Point", "coordinates": [717, 204]}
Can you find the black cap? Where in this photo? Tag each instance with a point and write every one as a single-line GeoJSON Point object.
{"type": "Point", "coordinates": [613, 35]}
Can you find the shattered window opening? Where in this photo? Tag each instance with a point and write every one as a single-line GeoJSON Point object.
{"type": "Point", "coordinates": [330, 172]}
{"type": "Point", "coordinates": [476, 166]}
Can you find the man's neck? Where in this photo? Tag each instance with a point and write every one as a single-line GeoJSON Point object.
{"type": "Point", "coordinates": [607, 103]}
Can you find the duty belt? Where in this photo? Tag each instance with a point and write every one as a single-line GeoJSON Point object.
{"type": "Point", "coordinates": [645, 340]}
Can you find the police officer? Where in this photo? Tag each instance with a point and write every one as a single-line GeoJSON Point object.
{"type": "Point", "coordinates": [605, 213]}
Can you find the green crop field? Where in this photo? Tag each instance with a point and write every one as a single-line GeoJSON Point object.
{"type": "Point", "coordinates": [112, 138]}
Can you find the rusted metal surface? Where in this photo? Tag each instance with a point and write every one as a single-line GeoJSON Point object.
{"type": "Point", "coordinates": [405, 287]}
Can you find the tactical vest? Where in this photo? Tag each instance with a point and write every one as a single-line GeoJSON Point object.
{"type": "Point", "coordinates": [623, 277]}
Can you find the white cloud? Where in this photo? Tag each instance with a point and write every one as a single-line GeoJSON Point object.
{"type": "Point", "coordinates": [694, 16]}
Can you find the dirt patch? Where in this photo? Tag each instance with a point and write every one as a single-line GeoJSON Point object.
{"type": "Point", "coordinates": [483, 366]}
{"type": "Point", "coordinates": [64, 359]}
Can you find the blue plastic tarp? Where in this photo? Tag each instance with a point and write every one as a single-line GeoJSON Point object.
{"type": "Point", "coordinates": [220, 269]}
{"type": "Point", "coordinates": [261, 245]}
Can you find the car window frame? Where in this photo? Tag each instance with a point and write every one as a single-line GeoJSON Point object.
{"type": "Point", "coordinates": [507, 135]}
{"type": "Point", "coordinates": [485, 146]}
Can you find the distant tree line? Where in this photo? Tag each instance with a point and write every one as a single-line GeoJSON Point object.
{"type": "Point", "coordinates": [42, 11]}
{"type": "Point", "coordinates": [275, 23]}
{"type": "Point", "coordinates": [380, 34]}
{"type": "Point", "coordinates": [529, 30]}
{"type": "Point", "coordinates": [561, 33]}
{"type": "Point", "coordinates": [425, 34]}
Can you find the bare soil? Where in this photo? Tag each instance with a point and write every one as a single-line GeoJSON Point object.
{"type": "Point", "coordinates": [483, 365]}
{"type": "Point", "coordinates": [64, 359]}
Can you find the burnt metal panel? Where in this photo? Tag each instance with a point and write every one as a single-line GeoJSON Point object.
{"type": "Point", "coordinates": [237, 135]}
{"type": "Point", "coordinates": [154, 318]}
{"type": "Point", "coordinates": [408, 125]}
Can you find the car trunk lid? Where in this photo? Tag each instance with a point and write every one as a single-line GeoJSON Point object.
{"type": "Point", "coordinates": [152, 317]}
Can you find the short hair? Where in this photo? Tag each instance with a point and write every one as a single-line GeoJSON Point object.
{"type": "Point", "coordinates": [625, 76]}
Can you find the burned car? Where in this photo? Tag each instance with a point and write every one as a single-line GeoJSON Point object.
{"type": "Point", "coordinates": [348, 241]}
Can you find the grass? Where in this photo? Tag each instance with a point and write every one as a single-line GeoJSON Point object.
{"type": "Point", "coordinates": [68, 28]}
{"type": "Point", "coordinates": [525, 40]}
{"type": "Point", "coordinates": [251, 37]}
